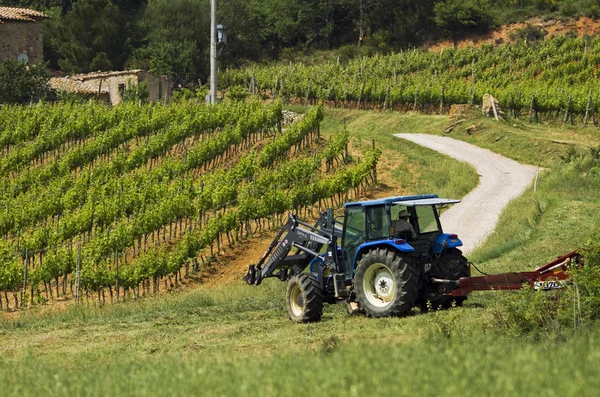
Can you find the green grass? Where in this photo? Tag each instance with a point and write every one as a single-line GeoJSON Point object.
{"type": "Point", "coordinates": [436, 367]}
{"type": "Point", "coordinates": [529, 143]}
{"type": "Point", "coordinates": [407, 167]}
{"type": "Point", "coordinates": [563, 214]}
{"type": "Point", "coordinates": [237, 340]}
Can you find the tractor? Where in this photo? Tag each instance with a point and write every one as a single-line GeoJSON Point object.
{"type": "Point", "coordinates": [393, 256]}
{"type": "Point", "coordinates": [384, 265]}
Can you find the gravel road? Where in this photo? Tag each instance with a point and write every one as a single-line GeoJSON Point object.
{"type": "Point", "coordinates": [500, 181]}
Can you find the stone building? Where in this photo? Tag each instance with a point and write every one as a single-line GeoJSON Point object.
{"type": "Point", "coordinates": [110, 86]}
{"type": "Point", "coordinates": [21, 34]}
{"type": "Point", "coordinates": [67, 85]}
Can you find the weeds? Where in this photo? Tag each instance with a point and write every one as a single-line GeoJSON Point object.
{"type": "Point", "coordinates": [557, 314]}
{"type": "Point", "coordinates": [553, 314]}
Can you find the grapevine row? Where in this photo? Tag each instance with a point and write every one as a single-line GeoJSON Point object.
{"type": "Point", "coordinates": [55, 200]}
{"type": "Point", "coordinates": [158, 263]}
{"type": "Point", "coordinates": [557, 78]}
{"type": "Point", "coordinates": [187, 121]}
{"type": "Point", "coordinates": [52, 257]}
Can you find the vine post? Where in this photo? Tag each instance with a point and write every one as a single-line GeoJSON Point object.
{"type": "Point", "coordinates": [117, 274]}
{"type": "Point", "coordinates": [374, 166]}
{"type": "Point", "coordinates": [532, 108]}
{"type": "Point", "coordinates": [78, 274]}
{"type": "Point", "coordinates": [25, 266]}
{"type": "Point", "coordinates": [588, 109]}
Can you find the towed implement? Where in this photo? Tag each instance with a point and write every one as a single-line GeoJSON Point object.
{"type": "Point", "coordinates": [393, 256]}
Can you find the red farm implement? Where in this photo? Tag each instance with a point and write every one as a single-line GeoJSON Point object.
{"type": "Point", "coordinates": [553, 275]}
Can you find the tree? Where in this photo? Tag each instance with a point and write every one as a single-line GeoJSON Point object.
{"type": "Point", "coordinates": [243, 31]}
{"type": "Point", "coordinates": [278, 21]}
{"type": "Point", "coordinates": [95, 34]}
{"type": "Point", "coordinates": [176, 39]}
{"type": "Point", "coordinates": [20, 83]}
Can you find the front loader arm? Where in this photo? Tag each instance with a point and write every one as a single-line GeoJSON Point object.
{"type": "Point", "coordinates": [307, 241]}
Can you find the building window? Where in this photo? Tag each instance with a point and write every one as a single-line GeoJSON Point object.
{"type": "Point", "coordinates": [121, 89]}
{"type": "Point", "coordinates": [160, 91]}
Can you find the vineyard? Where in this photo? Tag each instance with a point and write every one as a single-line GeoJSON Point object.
{"type": "Point", "coordinates": [556, 79]}
{"type": "Point", "coordinates": [109, 203]}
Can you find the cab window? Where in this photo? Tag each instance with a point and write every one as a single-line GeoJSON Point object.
{"type": "Point", "coordinates": [354, 233]}
{"type": "Point", "coordinates": [395, 210]}
{"type": "Point", "coordinates": [427, 220]}
{"type": "Point", "coordinates": [378, 222]}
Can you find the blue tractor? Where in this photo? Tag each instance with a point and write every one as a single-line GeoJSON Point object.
{"type": "Point", "coordinates": [393, 256]}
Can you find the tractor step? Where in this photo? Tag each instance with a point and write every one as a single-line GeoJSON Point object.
{"type": "Point", "coordinates": [339, 283]}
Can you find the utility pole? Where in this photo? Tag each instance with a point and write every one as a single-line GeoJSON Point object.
{"type": "Point", "coordinates": [213, 51]}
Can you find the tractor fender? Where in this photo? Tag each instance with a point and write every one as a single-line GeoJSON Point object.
{"type": "Point", "coordinates": [446, 241]}
{"type": "Point", "coordinates": [397, 244]}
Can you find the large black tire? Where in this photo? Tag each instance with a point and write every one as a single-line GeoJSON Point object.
{"type": "Point", "coordinates": [453, 265]}
{"type": "Point", "coordinates": [304, 299]}
{"type": "Point", "coordinates": [386, 283]}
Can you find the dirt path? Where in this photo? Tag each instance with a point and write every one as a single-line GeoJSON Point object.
{"type": "Point", "coordinates": [500, 180]}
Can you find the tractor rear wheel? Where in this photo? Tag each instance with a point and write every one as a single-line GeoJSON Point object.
{"type": "Point", "coordinates": [453, 266]}
{"type": "Point", "coordinates": [304, 298]}
{"type": "Point", "coordinates": [386, 283]}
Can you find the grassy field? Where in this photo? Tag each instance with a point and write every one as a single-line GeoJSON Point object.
{"type": "Point", "coordinates": [214, 343]}
{"type": "Point", "coordinates": [529, 143]}
{"type": "Point", "coordinates": [237, 340]}
{"type": "Point", "coordinates": [407, 167]}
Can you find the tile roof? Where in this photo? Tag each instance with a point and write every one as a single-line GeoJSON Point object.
{"type": "Point", "coordinates": [20, 14]}
{"type": "Point", "coordinates": [75, 86]}
{"type": "Point", "coordinates": [95, 75]}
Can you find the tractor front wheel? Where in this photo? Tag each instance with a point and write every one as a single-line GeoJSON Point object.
{"type": "Point", "coordinates": [304, 298]}
{"type": "Point", "coordinates": [386, 283]}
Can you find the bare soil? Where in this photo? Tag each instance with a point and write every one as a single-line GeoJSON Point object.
{"type": "Point", "coordinates": [580, 27]}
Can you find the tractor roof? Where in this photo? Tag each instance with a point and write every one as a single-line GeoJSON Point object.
{"type": "Point", "coordinates": [390, 200]}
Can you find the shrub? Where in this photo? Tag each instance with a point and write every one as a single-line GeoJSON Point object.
{"type": "Point", "coordinates": [594, 12]}
{"type": "Point", "coordinates": [457, 16]}
{"type": "Point", "coordinates": [569, 10]}
{"type": "Point", "coordinates": [546, 4]}
{"type": "Point", "coordinates": [237, 93]}
{"type": "Point", "coordinates": [348, 52]}
{"type": "Point", "coordinates": [136, 92]}
{"type": "Point", "coordinates": [529, 33]}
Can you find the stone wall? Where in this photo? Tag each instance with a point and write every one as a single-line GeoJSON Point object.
{"type": "Point", "coordinates": [114, 84]}
{"type": "Point", "coordinates": [160, 89]}
{"type": "Point", "coordinates": [20, 37]}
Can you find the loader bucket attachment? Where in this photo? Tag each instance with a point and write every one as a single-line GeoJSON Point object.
{"type": "Point", "coordinates": [250, 277]}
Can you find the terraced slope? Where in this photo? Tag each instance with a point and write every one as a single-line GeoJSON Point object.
{"type": "Point", "coordinates": [112, 202]}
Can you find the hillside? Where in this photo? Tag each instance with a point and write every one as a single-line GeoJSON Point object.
{"type": "Point", "coordinates": [84, 36]}
{"type": "Point", "coordinates": [532, 30]}
{"type": "Point", "coordinates": [125, 230]}
{"type": "Point", "coordinates": [114, 204]}
{"type": "Point", "coordinates": [553, 80]}
{"type": "Point", "coordinates": [236, 340]}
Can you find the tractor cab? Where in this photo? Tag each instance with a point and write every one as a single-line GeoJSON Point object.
{"type": "Point", "coordinates": [409, 224]}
